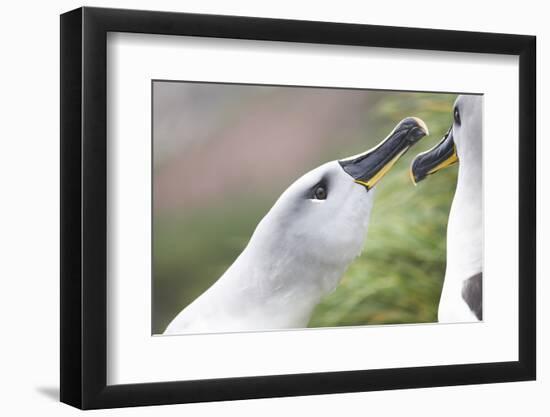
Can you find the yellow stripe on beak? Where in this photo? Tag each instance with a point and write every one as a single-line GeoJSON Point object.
{"type": "Point", "coordinates": [453, 159]}
{"type": "Point", "coordinates": [372, 182]}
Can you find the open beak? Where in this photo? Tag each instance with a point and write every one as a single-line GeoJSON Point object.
{"type": "Point", "coordinates": [440, 156]}
{"type": "Point", "coordinates": [369, 167]}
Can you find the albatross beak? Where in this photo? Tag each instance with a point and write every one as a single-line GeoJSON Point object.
{"type": "Point", "coordinates": [369, 167]}
{"type": "Point", "coordinates": [440, 156]}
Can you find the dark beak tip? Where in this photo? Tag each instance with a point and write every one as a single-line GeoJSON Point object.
{"type": "Point", "coordinates": [417, 133]}
{"type": "Point", "coordinates": [416, 173]}
{"type": "Point", "coordinates": [418, 178]}
{"type": "Point", "coordinates": [415, 127]}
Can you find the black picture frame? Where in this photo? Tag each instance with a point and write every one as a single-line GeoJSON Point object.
{"type": "Point", "coordinates": [84, 207]}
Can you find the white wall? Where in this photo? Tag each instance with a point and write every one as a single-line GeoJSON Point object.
{"type": "Point", "coordinates": [29, 173]}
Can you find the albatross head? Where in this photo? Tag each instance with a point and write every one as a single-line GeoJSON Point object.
{"type": "Point", "coordinates": [461, 142]}
{"type": "Point", "coordinates": [319, 223]}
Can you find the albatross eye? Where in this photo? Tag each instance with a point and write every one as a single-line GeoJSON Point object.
{"type": "Point", "coordinates": [456, 115]}
{"type": "Point", "coordinates": [320, 193]}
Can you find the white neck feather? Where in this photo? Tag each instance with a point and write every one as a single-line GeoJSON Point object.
{"type": "Point", "coordinates": [282, 287]}
{"type": "Point", "coordinates": [465, 227]}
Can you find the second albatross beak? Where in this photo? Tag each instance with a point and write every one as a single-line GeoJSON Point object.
{"type": "Point", "coordinates": [440, 156]}
{"type": "Point", "coordinates": [369, 167]}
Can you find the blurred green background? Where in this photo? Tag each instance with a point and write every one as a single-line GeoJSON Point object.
{"type": "Point", "coordinates": [224, 153]}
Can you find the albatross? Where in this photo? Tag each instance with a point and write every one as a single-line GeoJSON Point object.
{"type": "Point", "coordinates": [302, 247]}
{"type": "Point", "coordinates": [461, 297]}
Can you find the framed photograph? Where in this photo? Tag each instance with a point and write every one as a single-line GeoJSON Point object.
{"type": "Point", "coordinates": [257, 208]}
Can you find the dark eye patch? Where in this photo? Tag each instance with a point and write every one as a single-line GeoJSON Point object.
{"type": "Point", "coordinates": [456, 116]}
{"type": "Point", "coordinates": [319, 191]}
